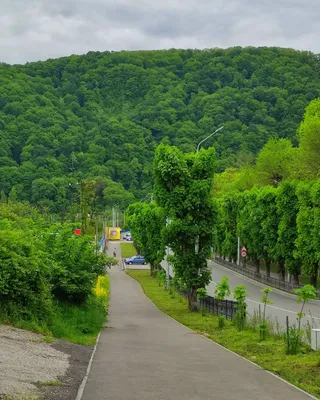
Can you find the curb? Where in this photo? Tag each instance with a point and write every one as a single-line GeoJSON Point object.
{"type": "Point", "coordinates": [84, 381]}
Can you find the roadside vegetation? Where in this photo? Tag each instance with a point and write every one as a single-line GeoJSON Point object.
{"type": "Point", "coordinates": [302, 369]}
{"type": "Point", "coordinates": [52, 281]}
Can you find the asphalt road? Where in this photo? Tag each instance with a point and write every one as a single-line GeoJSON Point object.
{"type": "Point", "coordinates": [284, 304]}
{"type": "Point", "coordinates": [143, 354]}
{"type": "Point", "coordinates": [115, 246]}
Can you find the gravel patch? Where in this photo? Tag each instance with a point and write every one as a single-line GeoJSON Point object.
{"type": "Point", "coordinates": [25, 360]}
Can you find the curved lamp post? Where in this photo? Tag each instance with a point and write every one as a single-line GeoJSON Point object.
{"type": "Point", "coordinates": [219, 129]}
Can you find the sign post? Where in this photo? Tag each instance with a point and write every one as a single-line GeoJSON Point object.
{"type": "Point", "coordinates": [244, 254]}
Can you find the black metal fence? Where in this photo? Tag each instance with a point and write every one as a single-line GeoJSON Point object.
{"type": "Point", "coordinates": [267, 280]}
{"type": "Point", "coordinates": [228, 308]}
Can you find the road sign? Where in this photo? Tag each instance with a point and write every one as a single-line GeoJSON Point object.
{"type": "Point", "coordinates": [243, 251]}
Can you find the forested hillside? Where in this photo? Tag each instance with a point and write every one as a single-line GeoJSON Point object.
{"type": "Point", "coordinates": [102, 115]}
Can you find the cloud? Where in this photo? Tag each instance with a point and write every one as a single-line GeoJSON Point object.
{"type": "Point", "coordinates": [41, 29]}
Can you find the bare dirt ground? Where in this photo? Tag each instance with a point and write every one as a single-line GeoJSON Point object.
{"type": "Point", "coordinates": [32, 369]}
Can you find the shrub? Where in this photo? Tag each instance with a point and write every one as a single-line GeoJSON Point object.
{"type": "Point", "coordinates": [25, 276]}
{"type": "Point", "coordinates": [76, 264]}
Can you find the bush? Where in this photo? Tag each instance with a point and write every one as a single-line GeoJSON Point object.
{"type": "Point", "coordinates": [47, 276]}
{"type": "Point", "coordinates": [25, 277]}
{"type": "Point", "coordinates": [77, 264]}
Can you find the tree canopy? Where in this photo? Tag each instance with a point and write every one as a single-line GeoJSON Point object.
{"type": "Point", "coordinates": [103, 114]}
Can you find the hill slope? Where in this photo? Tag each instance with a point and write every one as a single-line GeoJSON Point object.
{"type": "Point", "coordinates": [103, 114]}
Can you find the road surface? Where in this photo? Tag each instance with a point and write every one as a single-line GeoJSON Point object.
{"type": "Point", "coordinates": [114, 246]}
{"type": "Point", "coordinates": [143, 354]}
{"type": "Point", "coordinates": [284, 304]}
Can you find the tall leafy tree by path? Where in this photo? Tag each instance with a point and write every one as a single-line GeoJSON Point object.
{"type": "Point", "coordinates": [183, 188]}
{"type": "Point", "coordinates": [249, 226]}
{"type": "Point", "coordinates": [306, 243]}
{"type": "Point", "coordinates": [230, 212]}
{"type": "Point", "coordinates": [288, 207]}
{"type": "Point", "coordinates": [147, 222]}
{"type": "Point", "coordinates": [267, 206]}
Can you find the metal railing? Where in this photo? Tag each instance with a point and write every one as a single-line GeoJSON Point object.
{"type": "Point", "coordinates": [262, 278]}
{"type": "Point", "coordinates": [228, 308]}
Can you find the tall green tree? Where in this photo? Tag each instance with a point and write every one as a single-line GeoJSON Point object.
{"type": "Point", "coordinates": [309, 142]}
{"type": "Point", "coordinates": [183, 188]}
{"type": "Point", "coordinates": [249, 227]}
{"type": "Point", "coordinates": [288, 207]}
{"type": "Point", "coordinates": [147, 223]}
{"type": "Point", "coordinates": [229, 216]}
{"type": "Point", "coordinates": [267, 206]}
{"type": "Point", "coordinates": [274, 162]}
{"type": "Point", "coordinates": [307, 242]}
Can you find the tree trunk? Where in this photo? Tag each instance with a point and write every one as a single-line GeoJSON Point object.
{"type": "Point", "coordinates": [314, 276]}
{"type": "Point", "coordinates": [192, 299]}
{"type": "Point", "coordinates": [314, 280]}
{"type": "Point", "coordinates": [281, 270]}
{"type": "Point", "coordinates": [296, 279]}
{"type": "Point", "coordinates": [257, 265]}
{"type": "Point", "coordinates": [268, 267]}
{"type": "Point", "coordinates": [152, 270]}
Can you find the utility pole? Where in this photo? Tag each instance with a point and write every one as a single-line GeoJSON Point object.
{"type": "Point", "coordinates": [113, 217]}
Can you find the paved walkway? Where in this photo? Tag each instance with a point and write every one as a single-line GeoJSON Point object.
{"type": "Point", "coordinates": [145, 355]}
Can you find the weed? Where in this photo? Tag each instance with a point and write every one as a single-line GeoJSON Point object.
{"type": "Point", "coordinates": [221, 321]}
{"type": "Point", "coordinates": [48, 339]}
{"type": "Point", "coordinates": [48, 383]}
{"type": "Point", "coordinates": [293, 340]}
{"type": "Point", "coordinates": [263, 327]}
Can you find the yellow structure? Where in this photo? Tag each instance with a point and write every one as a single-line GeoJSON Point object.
{"type": "Point", "coordinates": [113, 233]}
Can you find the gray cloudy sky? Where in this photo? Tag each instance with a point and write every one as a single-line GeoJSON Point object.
{"type": "Point", "coordinates": [40, 29]}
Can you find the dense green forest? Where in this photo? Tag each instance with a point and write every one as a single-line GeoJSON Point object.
{"type": "Point", "coordinates": [98, 118]}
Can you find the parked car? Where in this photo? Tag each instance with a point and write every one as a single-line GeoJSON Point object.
{"type": "Point", "coordinates": [135, 260]}
{"type": "Point", "coordinates": [128, 239]}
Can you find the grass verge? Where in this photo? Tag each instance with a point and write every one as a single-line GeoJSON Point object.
{"type": "Point", "coordinates": [127, 250]}
{"type": "Point", "coordinates": [82, 324]}
{"type": "Point", "coordinates": [302, 370]}
{"type": "Point", "coordinates": [77, 324]}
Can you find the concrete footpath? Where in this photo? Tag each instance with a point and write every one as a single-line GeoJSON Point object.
{"type": "Point", "coordinates": [145, 355]}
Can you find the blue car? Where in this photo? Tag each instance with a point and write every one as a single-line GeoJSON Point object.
{"type": "Point", "coordinates": [135, 260]}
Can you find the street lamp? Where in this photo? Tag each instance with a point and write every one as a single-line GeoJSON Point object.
{"type": "Point", "coordinates": [198, 147]}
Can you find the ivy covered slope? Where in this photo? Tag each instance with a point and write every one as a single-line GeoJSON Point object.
{"type": "Point", "coordinates": [103, 114]}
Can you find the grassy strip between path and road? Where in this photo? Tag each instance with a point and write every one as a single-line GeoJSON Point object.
{"type": "Point", "coordinates": [128, 250]}
{"type": "Point", "coordinates": [77, 324]}
{"type": "Point", "coordinates": [302, 370]}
